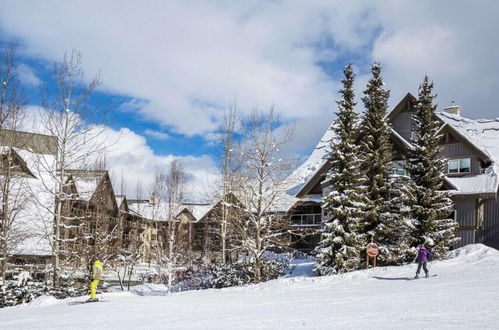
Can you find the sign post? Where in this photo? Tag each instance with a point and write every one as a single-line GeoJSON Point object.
{"type": "Point", "coordinates": [372, 251]}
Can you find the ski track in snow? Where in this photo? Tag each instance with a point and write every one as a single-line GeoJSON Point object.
{"type": "Point", "coordinates": [464, 295]}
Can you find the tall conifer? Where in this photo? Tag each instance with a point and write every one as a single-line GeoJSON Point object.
{"type": "Point", "coordinates": [384, 222]}
{"type": "Point", "coordinates": [431, 207]}
{"type": "Point", "coordinates": [341, 242]}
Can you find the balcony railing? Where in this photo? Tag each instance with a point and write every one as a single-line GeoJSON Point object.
{"type": "Point", "coordinates": [306, 219]}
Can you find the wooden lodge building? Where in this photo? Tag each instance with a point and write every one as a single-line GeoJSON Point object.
{"type": "Point", "coordinates": [471, 148]}
{"type": "Point", "coordinates": [96, 221]}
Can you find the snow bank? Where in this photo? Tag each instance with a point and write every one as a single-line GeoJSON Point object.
{"type": "Point", "coordinates": [150, 289]}
{"type": "Point", "coordinates": [43, 301]}
{"type": "Point", "coordinates": [474, 253]}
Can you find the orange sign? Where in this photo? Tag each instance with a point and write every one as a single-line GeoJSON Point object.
{"type": "Point", "coordinates": [372, 249]}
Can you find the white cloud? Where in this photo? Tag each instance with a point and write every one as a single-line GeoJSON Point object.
{"type": "Point", "coordinates": [129, 157]}
{"type": "Point", "coordinates": [157, 135]}
{"type": "Point", "coordinates": [182, 62]}
{"type": "Point", "coordinates": [27, 75]}
{"type": "Point", "coordinates": [455, 43]}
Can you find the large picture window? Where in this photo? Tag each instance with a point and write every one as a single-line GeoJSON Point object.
{"type": "Point", "coordinates": [459, 166]}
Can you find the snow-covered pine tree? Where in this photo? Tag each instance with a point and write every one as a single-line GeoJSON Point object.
{"type": "Point", "coordinates": [341, 244]}
{"type": "Point", "coordinates": [377, 154]}
{"type": "Point", "coordinates": [383, 223]}
{"type": "Point", "coordinates": [397, 225]}
{"type": "Point", "coordinates": [430, 206]}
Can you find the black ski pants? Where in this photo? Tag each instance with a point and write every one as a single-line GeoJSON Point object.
{"type": "Point", "coordinates": [423, 264]}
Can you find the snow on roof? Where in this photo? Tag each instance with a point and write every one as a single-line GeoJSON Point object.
{"type": "Point", "coordinates": [86, 182]}
{"type": "Point", "coordinates": [302, 174]}
{"type": "Point", "coordinates": [199, 211]}
{"type": "Point", "coordinates": [487, 183]}
{"type": "Point", "coordinates": [483, 133]}
{"type": "Point", "coordinates": [157, 212]}
{"type": "Point", "coordinates": [147, 210]}
{"type": "Point", "coordinates": [283, 202]}
{"type": "Point", "coordinates": [35, 218]}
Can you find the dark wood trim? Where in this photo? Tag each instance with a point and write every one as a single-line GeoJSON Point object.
{"type": "Point", "coordinates": [467, 228]}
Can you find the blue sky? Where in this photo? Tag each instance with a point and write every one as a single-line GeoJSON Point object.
{"type": "Point", "coordinates": [170, 68]}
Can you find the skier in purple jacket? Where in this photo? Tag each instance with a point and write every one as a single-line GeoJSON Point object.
{"type": "Point", "coordinates": [422, 259]}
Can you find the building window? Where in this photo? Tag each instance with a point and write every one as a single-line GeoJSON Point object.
{"type": "Point", "coordinates": [398, 168]}
{"type": "Point", "coordinates": [459, 166]}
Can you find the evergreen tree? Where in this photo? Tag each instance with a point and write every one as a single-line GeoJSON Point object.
{"type": "Point", "coordinates": [395, 246]}
{"type": "Point", "coordinates": [384, 222]}
{"type": "Point", "coordinates": [341, 243]}
{"type": "Point", "coordinates": [430, 207]}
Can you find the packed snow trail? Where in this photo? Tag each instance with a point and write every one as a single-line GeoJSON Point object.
{"type": "Point", "coordinates": [464, 295]}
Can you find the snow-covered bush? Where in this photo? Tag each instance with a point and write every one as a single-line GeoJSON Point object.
{"type": "Point", "coordinates": [14, 293]}
{"type": "Point", "coordinates": [197, 277]}
{"type": "Point", "coordinates": [23, 290]}
{"type": "Point", "coordinates": [284, 259]}
{"type": "Point", "coordinates": [243, 272]}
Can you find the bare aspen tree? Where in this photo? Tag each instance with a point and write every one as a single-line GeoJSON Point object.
{"type": "Point", "coordinates": [174, 248]}
{"type": "Point", "coordinates": [175, 229]}
{"type": "Point", "coordinates": [13, 180]}
{"type": "Point", "coordinates": [72, 119]}
{"type": "Point", "coordinates": [228, 168]}
{"type": "Point", "coordinates": [261, 187]}
{"type": "Point", "coordinates": [158, 216]}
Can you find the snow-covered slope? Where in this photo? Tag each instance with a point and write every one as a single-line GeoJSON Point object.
{"type": "Point", "coordinates": [463, 295]}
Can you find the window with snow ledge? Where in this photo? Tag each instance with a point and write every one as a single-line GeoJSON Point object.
{"type": "Point", "coordinates": [456, 166]}
{"type": "Point", "coordinates": [398, 168]}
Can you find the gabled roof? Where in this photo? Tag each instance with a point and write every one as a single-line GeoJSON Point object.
{"type": "Point", "coordinates": [122, 203]}
{"type": "Point", "coordinates": [316, 177]}
{"type": "Point", "coordinates": [405, 103]}
{"type": "Point", "coordinates": [36, 215]}
{"type": "Point", "coordinates": [301, 176]}
{"type": "Point", "coordinates": [482, 136]}
{"type": "Point", "coordinates": [309, 174]}
{"type": "Point", "coordinates": [19, 165]}
{"type": "Point", "coordinates": [483, 155]}
{"type": "Point", "coordinates": [198, 211]}
{"type": "Point", "coordinates": [86, 181]}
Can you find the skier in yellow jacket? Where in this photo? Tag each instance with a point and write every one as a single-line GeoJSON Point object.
{"type": "Point", "coordinates": [96, 276]}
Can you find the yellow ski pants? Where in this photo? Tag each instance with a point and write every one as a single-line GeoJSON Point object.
{"type": "Point", "coordinates": [93, 288]}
